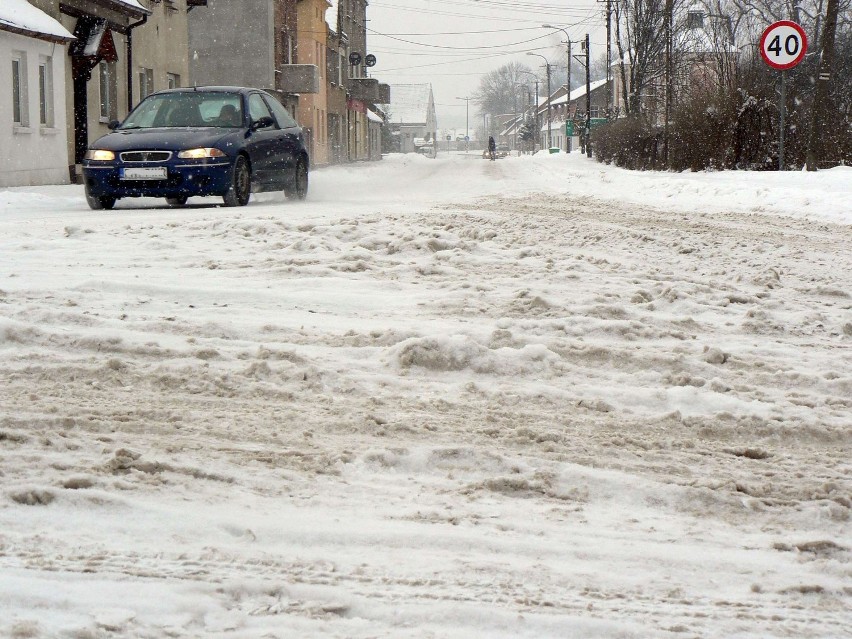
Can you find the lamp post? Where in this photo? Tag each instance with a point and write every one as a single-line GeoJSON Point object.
{"type": "Point", "coordinates": [535, 111]}
{"type": "Point", "coordinates": [588, 98]}
{"type": "Point", "coordinates": [466, 123]}
{"type": "Point", "coordinates": [568, 44]}
{"type": "Point", "coordinates": [547, 67]}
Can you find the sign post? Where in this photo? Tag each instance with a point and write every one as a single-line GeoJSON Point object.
{"type": "Point", "coordinates": [782, 46]}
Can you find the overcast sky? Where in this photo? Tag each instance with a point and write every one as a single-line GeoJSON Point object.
{"type": "Point", "coordinates": [453, 43]}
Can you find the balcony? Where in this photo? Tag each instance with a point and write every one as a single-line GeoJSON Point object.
{"type": "Point", "coordinates": [298, 78]}
{"type": "Point", "coordinates": [365, 89]}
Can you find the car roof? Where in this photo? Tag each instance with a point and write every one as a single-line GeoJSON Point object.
{"type": "Point", "coordinates": [211, 89]}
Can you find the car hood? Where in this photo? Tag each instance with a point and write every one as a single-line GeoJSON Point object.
{"type": "Point", "coordinates": [172, 139]}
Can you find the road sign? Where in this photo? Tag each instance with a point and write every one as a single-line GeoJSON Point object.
{"type": "Point", "coordinates": [783, 45]}
{"type": "Point", "coordinates": [593, 123]}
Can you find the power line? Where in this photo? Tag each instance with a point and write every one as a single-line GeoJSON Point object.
{"type": "Point", "coordinates": [434, 33]}
{"type": "Point", "coordinates": [477, 59]}
{"type": "Point", "coordinates": [490, 17]}
{"type": "Point", "coordinates": [513, 5]}
{"type": "Point", "coordinates": [440, 46]}
{"type": "Point", "coordinates": [430, 54]}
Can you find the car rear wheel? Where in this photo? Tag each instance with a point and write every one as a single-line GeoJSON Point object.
{"type": "Point", "coordinates": [299, 190]}
{"type": "Point", "coordinates": [240, 191]}
{"type": "Point", "coordinates": [179, 200]}
{"type": "Point", "coordinates": [100, 203]}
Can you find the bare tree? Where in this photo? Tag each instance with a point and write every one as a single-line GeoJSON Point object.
{"type": "Point", "coordinates": [641, 44]}
{"type": "Point", "coordinates": [498, 91]}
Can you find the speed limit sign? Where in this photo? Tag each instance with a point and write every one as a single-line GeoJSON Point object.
{"type": "Point", "coordinates": [783, 45]}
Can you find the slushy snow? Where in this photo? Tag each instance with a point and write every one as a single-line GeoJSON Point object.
{"type": "Point", "coordinates": [452, 398]}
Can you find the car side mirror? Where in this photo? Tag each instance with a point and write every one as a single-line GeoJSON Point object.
{"type": "Point", "coordinates": [113, 125]}
{"type": "Point", "coordinates": [262, 123]}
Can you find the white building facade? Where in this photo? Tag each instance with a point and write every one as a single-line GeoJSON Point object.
{"type": "Point", "coordinates": [411, 115]}
{"type": "Point", "coordinates": [33, 127]}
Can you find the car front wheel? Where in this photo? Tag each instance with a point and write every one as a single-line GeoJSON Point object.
{"type": "Point", "coordinates": [299, 190]}
{"type": "Point", "coordinates": [240, 191]}
{"type": "Point", "coordinates": [100, 203]}
{"type": "Point", "coordinates": [178, 200]}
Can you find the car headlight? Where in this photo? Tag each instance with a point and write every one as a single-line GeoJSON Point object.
{"type": "Point", "coordinates": [200, 154]}
{"type": "Point", "coordinates": [100, 155]}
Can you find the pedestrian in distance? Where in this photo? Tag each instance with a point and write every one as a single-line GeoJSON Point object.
{"type": "Point", "coordinates": [492, 148]}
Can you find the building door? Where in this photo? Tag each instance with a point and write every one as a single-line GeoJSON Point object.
{"type": "Point", "coordinates": [335, 137]}
{"type": "Point", "coordinates": [93, 45]}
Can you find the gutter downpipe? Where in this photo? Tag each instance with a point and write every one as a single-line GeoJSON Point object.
{"type": "Point", "coordinates": [130, 28]}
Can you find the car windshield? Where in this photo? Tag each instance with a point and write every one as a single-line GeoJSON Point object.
{"type": "Point", "coordinates": [187, 109]}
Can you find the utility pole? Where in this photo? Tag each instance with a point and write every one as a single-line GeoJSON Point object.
{"type": "Point", "coordinates": [608, 56]}
{"type": "Point", "coordinates": [466, 123]}
{"type": "Point", "coordinates": [549, 93]}
{"type": "Point", "coordinates": [535, 112]}
{"type": "Point", "coordinates": [569, 66]}
{"type": "Point", "coordinates": [669, 9]}
{"type": "Point", "coordinates": [568, 104]}
{"type": "Point", "coordinates": [588, 99]}
{"type": "Point", "coordinates": [568, 43]}
{"type": "Point", "coordinates": [826, 62]}
{"type": "Point", "coordinates": [535, 117]}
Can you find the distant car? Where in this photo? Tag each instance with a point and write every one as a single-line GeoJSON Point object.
{"type": "Point", "coordinates": [500, 152]}
{"type": "Point", "coordinates": [426, 149]}
{"type": "Point", "coordinates": [225, 141]}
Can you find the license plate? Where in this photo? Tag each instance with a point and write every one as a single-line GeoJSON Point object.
{"type": "Point", "coordinates": [144, 173]}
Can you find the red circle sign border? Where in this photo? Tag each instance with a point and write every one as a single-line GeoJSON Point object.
{"type": "Point", "coordinates": [799, 30]}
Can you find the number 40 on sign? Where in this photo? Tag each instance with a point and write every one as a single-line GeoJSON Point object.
{"type": "Point", "coordinates": [783, 45]}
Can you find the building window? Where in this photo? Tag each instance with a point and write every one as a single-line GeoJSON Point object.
{"type": "Point", "coordinates": [333, 66]}
{"type": "Point", "coordinates": [146, 82]}
{"type": "Point", "coordinates": [695, 19]}
{"type": "Point", "coordinates": [173, 80]}
{"type": "Point", "coordinates": [19, 89]}
{"type": "Point", "coordinates": [595, 111]}
{"type": "Point", "coordinates": [286, 48]}
{"type": "Point", "coordinates": [45, 91]}
{"type": "Point", "coordinates": [108, 84]}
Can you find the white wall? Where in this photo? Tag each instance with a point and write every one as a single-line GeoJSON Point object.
{"type": "Point", "coordinates": [34, 153]}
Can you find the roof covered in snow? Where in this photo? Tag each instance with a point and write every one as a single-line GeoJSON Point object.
{"type": "Point", "coordinates": [133, 4]}
{"type": "Point", "coordinates": [410, 103]}
{"type": "Point", "coordinates": [20, 15]}
{"type": "Point", "coordinates": [579, 92]}
{"type": "Point", "coordinates": [331, 14]}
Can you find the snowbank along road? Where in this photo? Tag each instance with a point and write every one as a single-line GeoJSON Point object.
{"type": "Point", "coordinates": [442, 398]}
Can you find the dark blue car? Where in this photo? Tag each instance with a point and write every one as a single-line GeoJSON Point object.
{"type": "Point", "coordinates": [225, 141]}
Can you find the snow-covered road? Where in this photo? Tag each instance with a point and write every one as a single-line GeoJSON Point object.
{"type": "Point", "coordinates": [446, 398]}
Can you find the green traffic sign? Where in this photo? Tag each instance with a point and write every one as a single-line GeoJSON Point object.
{"type": "Point", "coordinates": [593, 122]}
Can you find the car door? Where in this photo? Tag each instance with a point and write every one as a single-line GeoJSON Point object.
{"type": "Point", "coordinates": [264, 143]}
{"type": "Point", "coordinates": [290, 138]}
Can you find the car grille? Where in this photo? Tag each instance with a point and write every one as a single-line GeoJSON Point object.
{"type": "Point", "coordinates": [145, 156]}
{"type": "Point", "coordinates": [173, 181]}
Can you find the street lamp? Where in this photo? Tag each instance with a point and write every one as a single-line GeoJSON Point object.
{"type": "Point", "coordinates": [466, 123]}
{"type": "Point", "coordinates": [568, 43]}
{"type": "Point", "coordinates": [547, 67]}
{"type": "Point", "coordinates": [535, 111]}
{"type": "Point", "coordinates": [519, 117]}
